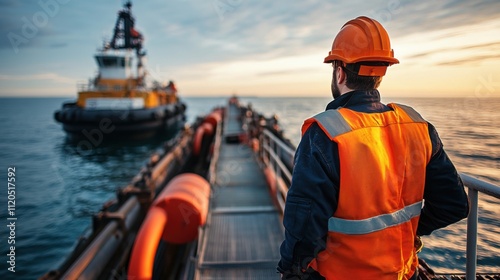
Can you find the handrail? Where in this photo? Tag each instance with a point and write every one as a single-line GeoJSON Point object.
{"type": "Point", "coordinates": [475, 185]}
{"type": "Point", "coordinates": [272, 151]}
{"type": "Point", "coordinates": [273, 147]}
{"type": "Point", "coordinates": [84, 86]}
{"type": "Point", "coordinates": [212, 174]}
{"type": "Point", "coordinates": [279, 142]}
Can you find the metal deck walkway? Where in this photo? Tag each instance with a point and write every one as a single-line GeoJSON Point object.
{"type": "Point", "coordinates": [243, 233]}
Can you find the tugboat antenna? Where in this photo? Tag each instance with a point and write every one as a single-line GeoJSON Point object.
{"type": "Point", "coordinates": [125, 36]}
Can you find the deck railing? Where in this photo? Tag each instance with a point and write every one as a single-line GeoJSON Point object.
{"type": "Point", "coordinates": [274, 150]}
{"type": "Point", "coordinates": [475, 186]}
{"type": "Point", "coordinates": [84, 86]}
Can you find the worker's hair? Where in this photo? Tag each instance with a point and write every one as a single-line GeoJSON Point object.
{"type": "Point", "coordinates": [357, 82]}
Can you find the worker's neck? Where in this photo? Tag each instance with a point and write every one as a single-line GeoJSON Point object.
{"type": "Point", "coordinates": [343, 89]}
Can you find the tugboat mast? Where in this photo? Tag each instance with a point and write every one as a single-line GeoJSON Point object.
{"type": "Point", "coordinates": [125, 36]}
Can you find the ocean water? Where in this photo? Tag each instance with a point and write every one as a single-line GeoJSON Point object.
{"type": "Point", "coordinates": [58, 187]}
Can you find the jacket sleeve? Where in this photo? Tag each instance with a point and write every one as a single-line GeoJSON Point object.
{"type": "Point", "coordinates": [311, 201]}
{"type": "Point", "coordinates": [445, 200]}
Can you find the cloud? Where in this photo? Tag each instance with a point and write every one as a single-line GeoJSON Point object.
{"type": "Point", "coordinates": [44, 76]}
{"type": "Point", "coordinates": [228, 30]}
{"type": "Point", "coordinates": [493, 46]}
{"type": "Point", "coordinates": [8, 3]}
{"type": "Point", "coordinates": [23, 25]}
{"type": "Point", "coordinates": [193, 39]}
{"type": "Point", "coordinates": [36, 24]}
{"type": "Point", "coordinates": [281, 72]}
{"type": "Point", "coordinates": [425, 16]}
{"type": "Point", "coordinates": [470, 60]}
{"type": "Point", "coordinates": [58, 45]}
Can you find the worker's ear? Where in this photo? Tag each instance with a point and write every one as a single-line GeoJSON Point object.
{"type": "Point", "coordinates": [341, 76]}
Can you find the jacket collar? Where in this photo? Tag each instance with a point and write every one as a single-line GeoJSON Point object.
{"type": "Point", "coordinates": [355, 98]}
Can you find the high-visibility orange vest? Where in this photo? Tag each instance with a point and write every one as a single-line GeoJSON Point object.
{"type": "Point", "coordinates": [383, 158]}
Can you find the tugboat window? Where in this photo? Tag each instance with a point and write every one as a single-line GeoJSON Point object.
{"type": "Point", "coordinates": [109, 61]}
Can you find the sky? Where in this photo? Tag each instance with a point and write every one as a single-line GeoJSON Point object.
{"type": "Point", "coordinates": [446, 48]}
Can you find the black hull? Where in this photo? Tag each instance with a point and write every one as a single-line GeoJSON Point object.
{"type": "Point", "coordinates": [133, 124]}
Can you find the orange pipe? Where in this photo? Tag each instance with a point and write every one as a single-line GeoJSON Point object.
{"type": "Point", "coordinates": [185, 199]}
{"type": "Point", "coordinates": [208, 127]}
{"type": "Point", "coordinates": [213, 118]}
{"type": "Point", "coordinates": [197, 139]}
{"type": "Point", "coordinates": [203, 129]}
{"type": "Point", "coordinates": [185, 202]}
{"type": "Point", "coordinates": [146, 243]}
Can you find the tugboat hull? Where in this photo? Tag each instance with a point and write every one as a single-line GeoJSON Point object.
{"type": "Point", "coordinates": [134, 124]}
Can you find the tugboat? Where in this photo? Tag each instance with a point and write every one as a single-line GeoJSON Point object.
{"type": "Point", "coordinates": [118, 102]}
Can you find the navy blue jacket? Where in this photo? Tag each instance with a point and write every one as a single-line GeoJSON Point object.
{"type": "Point", "coordinates": [313, 195]}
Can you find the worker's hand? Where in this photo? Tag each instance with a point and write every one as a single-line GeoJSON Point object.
{"type": "Point", "coordinates": [418, 244]}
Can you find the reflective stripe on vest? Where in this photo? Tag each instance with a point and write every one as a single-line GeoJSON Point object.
{"type": "Point", "coordinates": [375, 223]}
{"type": "Point", "coordinates": [333, 122]}
{"type": "Point", "coordinates": [414, 115]}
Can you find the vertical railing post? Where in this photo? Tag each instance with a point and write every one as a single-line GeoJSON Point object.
{"type": "Point", "coordinates": [265, 151]}
{"type": "Point", "coordinates": [275, 163]}
{"type": "Point", "coordinates": [261, 148]}
{"type": "Point", "coordinates": [472, 235]}
{"type": "Point", "coordinates": [278, 169]}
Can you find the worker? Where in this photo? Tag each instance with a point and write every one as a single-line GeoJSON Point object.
{"type": "Point", "coordinates": [368, 178]}
{"type": "Point", "coordinates": [170, 88]}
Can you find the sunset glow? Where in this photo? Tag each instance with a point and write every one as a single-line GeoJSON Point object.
{"type": "Point", "coordinates": [221, 47]}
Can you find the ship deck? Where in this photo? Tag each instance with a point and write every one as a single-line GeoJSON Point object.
{"type": "Point", "coordinates": [243, 233]}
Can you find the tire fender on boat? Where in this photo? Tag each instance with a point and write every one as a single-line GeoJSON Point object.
{"type": "Point", "coordinates": [168, 113]}
{"type": "Point", "coordinates": [57, 116]}
{"type": "Point", "coordinates": [175, 217]}
{"type": "Point", "coordinates": [158, 115]}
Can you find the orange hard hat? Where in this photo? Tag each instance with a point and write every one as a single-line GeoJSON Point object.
{"type": "Point", "coordinates": [363, 40]}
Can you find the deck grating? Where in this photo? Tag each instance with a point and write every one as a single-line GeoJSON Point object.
{"type": "Point", "coordinates": [242, 237]}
